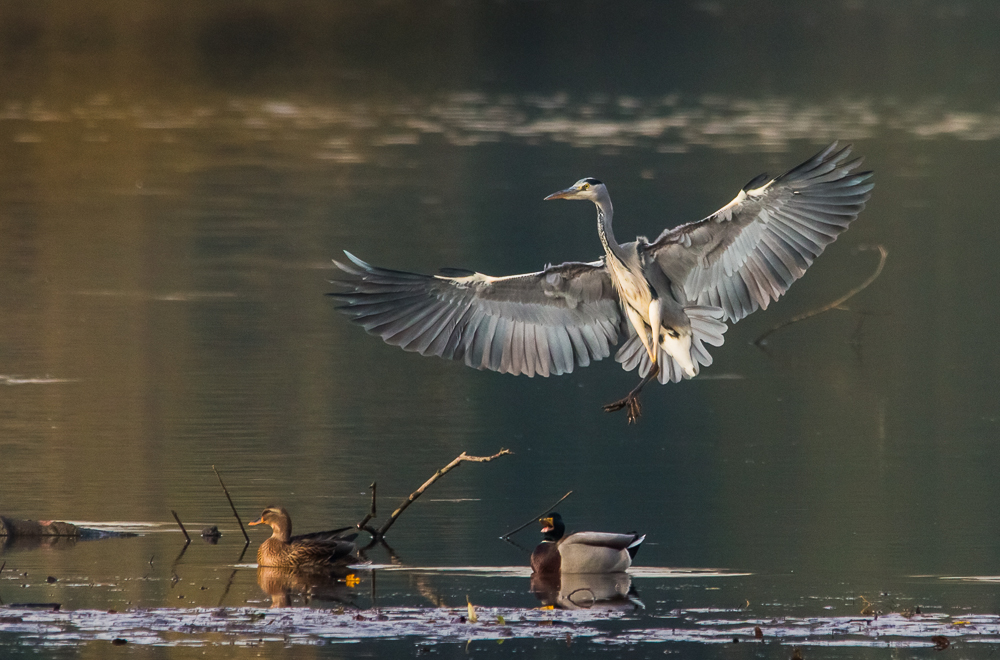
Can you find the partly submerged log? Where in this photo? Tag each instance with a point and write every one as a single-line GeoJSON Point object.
{"type": "Point", "coordinates": [12, 529]}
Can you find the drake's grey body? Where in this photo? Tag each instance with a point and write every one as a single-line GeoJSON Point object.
{"type": "Point", "coordinates": [667, 298]}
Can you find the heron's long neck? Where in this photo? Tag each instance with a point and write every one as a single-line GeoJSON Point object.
{"type": "Point", "coordinates": [604, 214]}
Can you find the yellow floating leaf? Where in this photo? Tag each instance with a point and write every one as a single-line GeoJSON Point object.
{"type": "Point", "coordinates": [352, 580]}
{"type": "Point", "coordinates": [472, 611]}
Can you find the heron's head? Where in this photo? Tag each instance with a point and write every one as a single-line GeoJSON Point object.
{"type": "Point", "coordinates": [587, 188]}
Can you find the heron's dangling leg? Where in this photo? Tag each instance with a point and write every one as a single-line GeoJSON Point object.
{"type": "Point", "coordinates": [631, 400]}
{"type": "Point", "coordinates": [639, 325]}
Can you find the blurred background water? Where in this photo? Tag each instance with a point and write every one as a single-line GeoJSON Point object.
{"type": "Point", "coordinates": [176, 177]}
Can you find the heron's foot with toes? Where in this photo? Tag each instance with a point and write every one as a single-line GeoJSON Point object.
{"type": "Point", "coordinates": [631, 402]}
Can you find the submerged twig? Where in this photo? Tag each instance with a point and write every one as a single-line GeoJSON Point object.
{"type": "Point", "coordinates": [180, 555]}
{"type": "Point", "coordinates": [229, 585]}
{"type": "Point", "coordinates": [379, 533]}
{"type": "Point", "coordinates": [507, 539]}
{"type": "Point", "coordinates": [233, 506]}
{"type": "Point", "coordinates": [883, 253]}
{"type": "Point", "coordinates": [240, 560]}
{"type": "Point", "coordinates": [181, 525]}
{"type": "Point", "coordinates": [507, 536]}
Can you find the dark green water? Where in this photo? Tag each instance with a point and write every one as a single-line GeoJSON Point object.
{"type": "Point", "coordinates": [175, 180]}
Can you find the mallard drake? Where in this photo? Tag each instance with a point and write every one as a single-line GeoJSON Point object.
{"type": "Point", "coordinates": [307, 550]}
{"type": "Point", "coordinates": [582, 552]}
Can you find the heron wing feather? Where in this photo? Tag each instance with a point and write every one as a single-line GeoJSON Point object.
{"type": "Point", "coordinates": [750, 251]}
{"type": "Point", "coordinates": [536, 323]}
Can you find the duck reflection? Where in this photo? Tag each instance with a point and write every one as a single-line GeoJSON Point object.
{"type": "Point", "coordinates": [283, 585]}
{"type": "Point", "coordinates": [19, 543]}
{"type": "Point", "coordinates": [579, 591]}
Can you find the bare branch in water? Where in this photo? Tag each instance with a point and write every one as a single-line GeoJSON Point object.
{"type": "Point", "coordinates": [181, 525]}
{"type": "Point", "coordinates": [437, 475]}
{"type": "Point", "coordinates": [371, 513]}
{"type": "Point", "coordinates": [507, 536]}
{"type": "Point", "coordinates": [836, 304]}
{"type": "Point", "coordinates": [231, 505]}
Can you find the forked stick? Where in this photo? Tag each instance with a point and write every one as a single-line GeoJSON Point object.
{"type": "Point", "coordinates": [380, 532]}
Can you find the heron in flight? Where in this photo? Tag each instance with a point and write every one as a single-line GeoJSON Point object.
{"type": "Point", "coordinates": [667, 298]}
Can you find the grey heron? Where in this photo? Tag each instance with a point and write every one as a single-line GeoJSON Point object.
{"type": "Point", "coordinates": [667, 298]}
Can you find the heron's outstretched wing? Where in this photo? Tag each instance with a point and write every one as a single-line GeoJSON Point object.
{"type": "Point", "coordinates": [750, 251]}
{"type": "Point", "coordinates": [545, 322]}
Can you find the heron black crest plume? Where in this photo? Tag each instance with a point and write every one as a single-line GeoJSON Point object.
{"type": "Point", "coordinates": [666, 299]}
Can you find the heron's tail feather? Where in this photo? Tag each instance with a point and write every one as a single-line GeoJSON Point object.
{"type": "Point", "coordinates": [707, 327]}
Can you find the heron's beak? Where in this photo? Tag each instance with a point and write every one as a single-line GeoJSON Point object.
{"type": "Point", "coordinates": [562, 194]}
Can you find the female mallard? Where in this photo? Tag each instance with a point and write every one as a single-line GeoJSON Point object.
{"type": "Point", "coordinates": [582, 552]}
{"type": "Point", "coordinates": [307, 550]}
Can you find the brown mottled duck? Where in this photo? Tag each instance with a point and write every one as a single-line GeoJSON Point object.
{"type": "Point", "coordinates": [315, 550]}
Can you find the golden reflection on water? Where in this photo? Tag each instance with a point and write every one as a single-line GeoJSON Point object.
{"type": "Point", "coordinates": [164, 223]}
{"type": "Point", "coordinates": [354, 132]}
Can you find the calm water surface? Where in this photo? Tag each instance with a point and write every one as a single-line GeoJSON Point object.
{"type": "Point", "coordinates": [173, 192]}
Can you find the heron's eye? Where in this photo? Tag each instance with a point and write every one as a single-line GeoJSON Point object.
{"type": "Point", "coordinates": [673, 333]}
{"type": "Point", "coordinates": [585, 186]}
